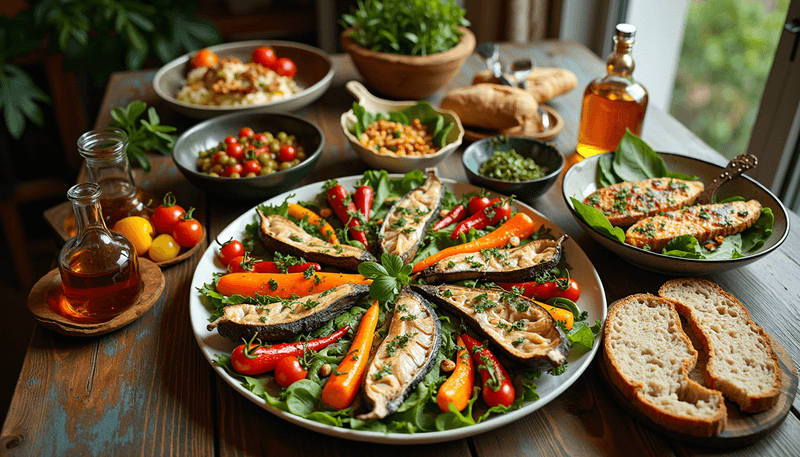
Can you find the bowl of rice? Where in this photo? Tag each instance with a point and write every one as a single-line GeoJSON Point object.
{"type": "Point", "coordinates": [236, 84]}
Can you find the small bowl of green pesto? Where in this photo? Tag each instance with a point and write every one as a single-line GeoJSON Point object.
{"type": "Point", "coordinates": [518, 166]}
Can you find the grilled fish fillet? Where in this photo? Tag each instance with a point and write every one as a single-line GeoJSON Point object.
{"type": "Point", "coordinates": [703, 221]}
{"type": "Point", "coordinates": [627, 202]}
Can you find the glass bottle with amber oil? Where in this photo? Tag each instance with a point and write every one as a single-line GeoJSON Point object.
{"type": "Point", "coordinates": [99, 268]}
{"type": "Point", "coordinates": [107, 162]}
{"type": "Point", "coordinates": [614, 102]}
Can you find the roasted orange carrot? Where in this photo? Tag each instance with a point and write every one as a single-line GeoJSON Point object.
{"type": "Point", "coordinates": [559, 314]}
{"type": "Point", "coordinates": [299, 212]}
{"type": "Point", "coordinates": [521, 226]}
{"type": "Point", "coordinates": [284, 285]}
{"type": "Point", "coordinates": [342, 387]}
{"type": "Point", "coordinates": [458, 387]}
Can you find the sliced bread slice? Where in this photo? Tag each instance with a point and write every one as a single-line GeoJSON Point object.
{"type": "Point", "coordinates": [741, 362]}
{"type": "Point", "coordinates": [648, 357]}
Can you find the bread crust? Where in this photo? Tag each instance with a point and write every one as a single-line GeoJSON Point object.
{"type": "Point", "coordinates": [490, 106]}
{"type": "Point", "coordinates": [689, 408]}
{"type": "Point", "coordinates": [676, 291]}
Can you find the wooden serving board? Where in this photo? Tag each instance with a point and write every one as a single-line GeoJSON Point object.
{"type": "Point", "coordinates": [742, 428]}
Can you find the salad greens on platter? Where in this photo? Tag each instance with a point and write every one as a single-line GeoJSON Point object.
{"type": "Point", "coordinates": [419, 411]}
{"type": "Point", "coordinates": [422, 110]}
{"type": "Point", "coordinates": [635, 160]}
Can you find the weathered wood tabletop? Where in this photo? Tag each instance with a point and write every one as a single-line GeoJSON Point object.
{"type": "Point", "coordinates": [147, 390]}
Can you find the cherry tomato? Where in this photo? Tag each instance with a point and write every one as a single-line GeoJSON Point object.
{"type": "Point", "coordinates": [137, 230]}
{"type": "Point", "coordinates": [288, 371]}
{"type": "Point", "coordinates": [231, 169]}
{"type": "Point", "coordinates": [477, 203]}
{"type": "Point", "coordinates": [164, 247]}
{"type": "Point", "coordinates": [231, 140]}
{"type": "Point", "coordinates": [204, 58]}
{"type": "Point", "coordinates": [246, 132]}
{"type": "Point", "coordinates": [285, 67]}
{"type": "Point", "coordinates": [503, 396]}
{"type": "Point", "coordinates": [252, 166]}
{"type": "Point", "coordinates": [265, 56]}
{"type": "Point", "coordinates": [287, 153]}
{"type": "Point", "coordinates": [236, 151]}
{"type": "Point", "coordinates": [188, 231]}
{"type": "Point", "coordinates": [166, 215]}
{"type": "Point", "coordinates": [261, 138]}
{"type": "Point", "coordinates": [501, 212]}
{"type": "Point", "coordinates": [564, 288]}
{"type": "Point", "coordinates": [229, 250]}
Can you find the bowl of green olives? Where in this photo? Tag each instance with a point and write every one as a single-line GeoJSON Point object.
{"type": "Point", "coordinates": [248, 156]}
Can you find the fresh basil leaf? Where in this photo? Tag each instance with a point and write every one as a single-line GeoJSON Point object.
{"type": "Point", "coordinates": [392, 262]}
{"type": "Point", "coordinates": [683, 246]}
{"type": "Point", "coordinates": [595, 219]}
{"type": "Point", "coordinates": [399, 117]}
{"type": "Point", "coordinates": [440, 139]}
{"type": "Point", "coordinates": [581, 338]}
{"type": "Point", "coordinates": [754, 237]}
{"type": "Point", "coordinates": [604, 175]}
{"type": "Point", "coordinates": [372, 270]}
{"type": "Point", "coordinates": [635, 160]}
{"type": "Point", "coordinates": [384, 288]}
{"type": "Point", "coordinates": [411, 180]}
{"type": "Point", "coordinates": [301, 397]}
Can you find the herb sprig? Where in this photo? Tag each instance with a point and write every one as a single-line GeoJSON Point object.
{"type": "Point", "coordinates": [149, 136]}
{"type": "Point", "coordinates": [388, 277]}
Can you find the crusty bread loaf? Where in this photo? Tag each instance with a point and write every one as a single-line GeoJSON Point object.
{"type": "Point", "coordinates": [741, 362]}
{"type": "Point", "coordinates": [543, 83]}
{"type": "Point", "coordinates": [490, 106]}
{"type": "Point", "coordinates": [647, 356]}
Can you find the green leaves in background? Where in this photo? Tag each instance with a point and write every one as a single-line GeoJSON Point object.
{"type": "Point", "coordinates": [144, 135]}
{"type": "Point", "coordinates": [409, 27]}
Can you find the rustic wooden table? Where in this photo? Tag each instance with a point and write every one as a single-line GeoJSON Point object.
{"type": "Point", "coordinates": [147, 390]}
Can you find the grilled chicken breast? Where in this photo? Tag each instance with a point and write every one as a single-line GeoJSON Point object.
{"type": "Point", "coordinates": [627, 202]}
{"type": "Point", "coordinates": [705, 222]}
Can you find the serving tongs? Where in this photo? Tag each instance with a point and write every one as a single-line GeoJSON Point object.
{"type": "Point", "coordinates": [735, 167]}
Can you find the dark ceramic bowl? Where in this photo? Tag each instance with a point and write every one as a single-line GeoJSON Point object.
{"type": "Point", "coordinates": [544, 154]}
{"type": "Point", "coordinates": [208, 134]}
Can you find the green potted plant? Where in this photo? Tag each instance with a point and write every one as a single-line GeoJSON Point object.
{"type": "Point", "coordinates": [407, 49]}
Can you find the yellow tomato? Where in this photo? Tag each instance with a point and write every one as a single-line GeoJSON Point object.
{"type": "Point", "coordinates": [164, 247]}
{"type": "Point", "coordinates": [137, 230]}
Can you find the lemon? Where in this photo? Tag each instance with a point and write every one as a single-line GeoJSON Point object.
{"type": "Point", "coordinates": [137, 230]}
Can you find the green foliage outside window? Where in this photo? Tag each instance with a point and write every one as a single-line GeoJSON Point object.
{"type": "Point", "coordinates": [727, 53]}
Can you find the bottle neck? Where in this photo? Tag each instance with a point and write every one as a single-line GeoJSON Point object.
{"type": "Point", "coordinates": [107, 163]}
{"type": "Point", "coordinates": [620, 62]}
{"type": "Point", "coordinates": [86, 206]}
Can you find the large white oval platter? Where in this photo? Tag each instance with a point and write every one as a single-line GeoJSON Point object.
{"type": "Point", "coordinates": [592, 300]}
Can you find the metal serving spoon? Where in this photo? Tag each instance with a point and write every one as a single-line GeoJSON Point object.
{"type": "Point", "coordinates": [736, 167]}
{"type": "Point", "coordinates": [491, 55]}
{"type": "Point", "coordinates": [520, 69]}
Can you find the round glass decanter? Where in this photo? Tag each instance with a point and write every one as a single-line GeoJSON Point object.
{"type": "Point", "coordinates": [99, 268]}
{"type": "Point", "coordinates": [107, 162]}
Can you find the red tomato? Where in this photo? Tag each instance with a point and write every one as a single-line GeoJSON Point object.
{"type": "Point", "coordinates": [287, 153]}
{"type": "Point", "coordinates": [503, 396]}
{"type": "Point", "coordinates": [229, 250]}
{"type": "Point", "coordinates": [246, 132]}
{"type": "Point", "coordinates": [477, 203]}
{"type": "Point", "coordinates": [261, 138]}
{"type": "Point", "coordinates": [288, 371]}
{"type": "Point", "coordinates": [285, 67]}
{"type": "Point", "coordinates": [204, 58]}
{"type": "Point", "coordinates": [231, 169]}
{"type": "Point", "coordinates": [236, 151]}
{"type": "Point", "coordinates": [265, 56]}
{"type": "Point", "coordinates": [501, 212]}
{"type": "Point", "coordinates": [166, 215]}
{"type": "Point", "coordinates": [231, 140]}
{"type": "Point", "coordinates": [188, 231]}
{"type": "Point", "coordinates": [252, 166]}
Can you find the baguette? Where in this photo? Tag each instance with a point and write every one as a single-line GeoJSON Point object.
{"type": "Point", "coordinates": [490, 106]}
{"type": "Point", "coordinates": [648, 357]}
{"type": "Point", "coordinates": [741, 362]}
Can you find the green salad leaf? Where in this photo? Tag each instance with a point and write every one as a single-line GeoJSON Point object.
{"type": "Point", "coordinates": [598, 221]}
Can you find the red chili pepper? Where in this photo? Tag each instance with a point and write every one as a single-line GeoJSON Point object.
{"type": "Point", "coordinates": [343, 207]}
{"type": "Point", "coordinates": [455, 215]}
{"type": "Point", "coordinates": [497, 387]}
{"type": "Point", "coordinates": [363, 197]}
{"type": "Point", "coordinates": [245, 263]}
{"type": "Point", "coordinates": [562, 287]}
{"type": "Point", "coordinates": [255, 359]}
{"type": "Point", "coordinates": [491, 215]}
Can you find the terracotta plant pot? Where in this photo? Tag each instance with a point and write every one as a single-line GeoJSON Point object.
{"type": "Point", "coordinates": [408, 77]}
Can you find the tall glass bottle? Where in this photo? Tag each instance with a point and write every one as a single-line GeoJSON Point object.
{"type": "Point", "coordinates": [99, 268]}
{"type": "Point", "coordinates": [614, 102]}
{"type": "Point", "coordinates": [106, 160]}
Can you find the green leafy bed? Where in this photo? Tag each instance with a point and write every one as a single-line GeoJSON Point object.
{"type": "Point", "coordinates": [437, 125]}
{"type": "Point", "coordinates": [635, 160]}
{"type": "Point", "coordinates": [419, 412]}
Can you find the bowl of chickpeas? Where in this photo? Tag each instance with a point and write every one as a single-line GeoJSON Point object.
{"type": "Point", "coordinates": [248, 156]}
{"type": "Point", "coordinates": [400, 143]}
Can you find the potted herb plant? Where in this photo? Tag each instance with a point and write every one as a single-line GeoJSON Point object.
{"type": "Point", "coordinates": [407, 49]}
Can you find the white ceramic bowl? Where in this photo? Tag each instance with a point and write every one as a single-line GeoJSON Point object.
{"type": "Point", "coordinates": [579, 181]}
{"type": "Point", "coordinates": [314, 75]}
{"type": "Point", "coordinates": [374, 104]}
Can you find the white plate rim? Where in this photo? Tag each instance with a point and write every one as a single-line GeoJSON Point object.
{"type": "Point", "coordinates": [593, 300]}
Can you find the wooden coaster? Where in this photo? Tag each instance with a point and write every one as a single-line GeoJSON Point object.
{"type": "Point", "coordinates": [153, 287]}
{"type": "Point", "coordinates": [473, 134]}
{"type": "Point", "coordinates": [742, 428]}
